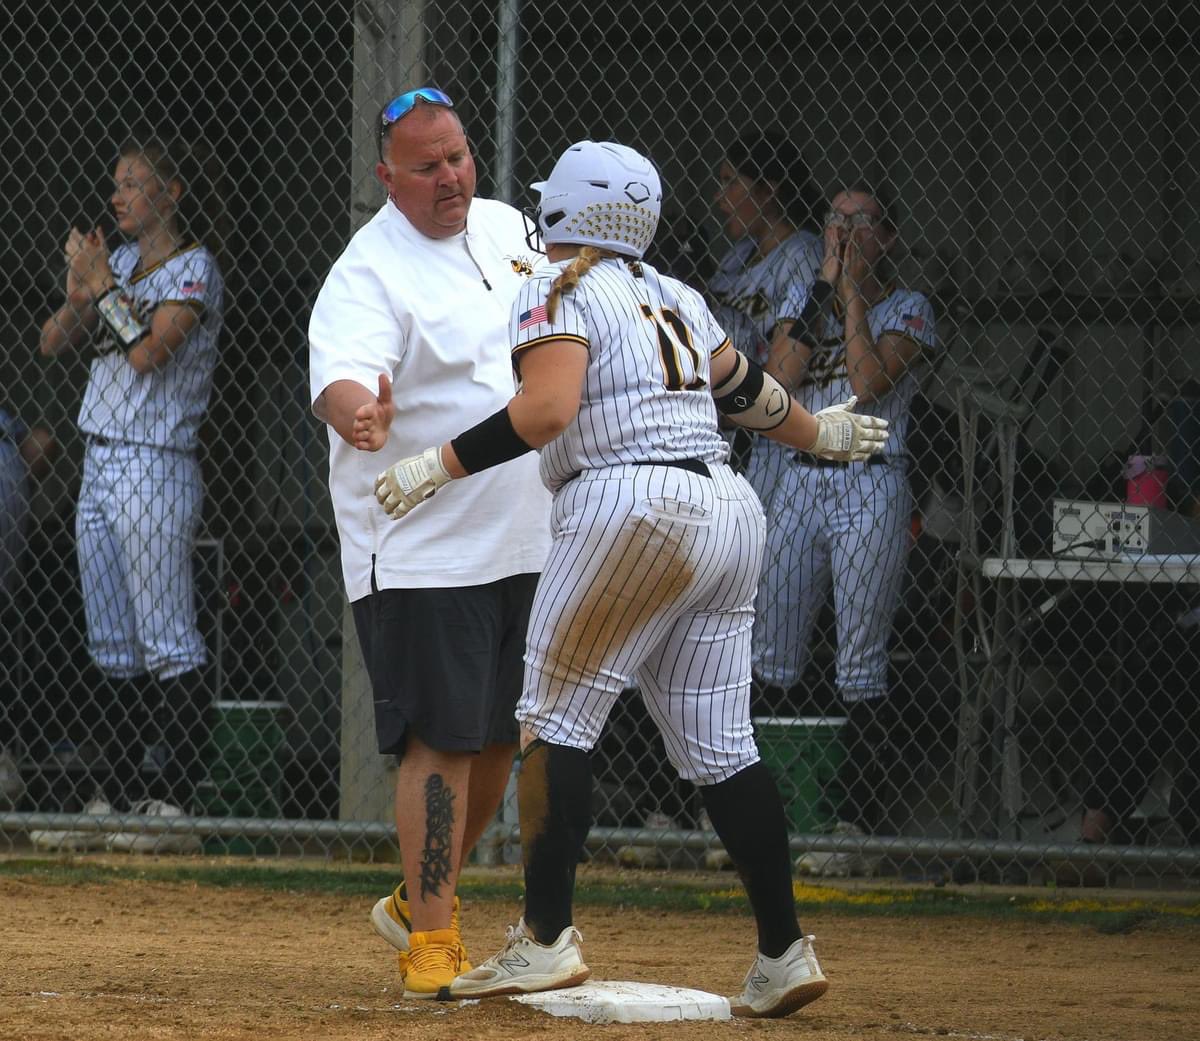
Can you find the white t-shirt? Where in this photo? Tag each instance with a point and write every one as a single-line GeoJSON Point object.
{"type": "Point", "coordinates": [166, 406]}
{"type": "Point", "coordinates": [433, 315]}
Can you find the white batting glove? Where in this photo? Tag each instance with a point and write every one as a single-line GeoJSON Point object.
{"type": "Point", "coordinates": [846, 437]}
{"type": "Point", "coordinates": [410, 482]}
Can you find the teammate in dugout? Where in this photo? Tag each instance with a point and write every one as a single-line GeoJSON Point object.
{"type": "Point", "coordinates": [768, 203]}
{"type": "Point", "coordinates": [152, 312]}
{"type": "Point", "coordinates": [656, 546]}
{"type": "Point", "coordinates": [847, 524]}
{"type": "Point", "coordinates": [420, 299]}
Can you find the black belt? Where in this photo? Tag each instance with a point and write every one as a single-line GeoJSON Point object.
{"type": "Point", "coordinates": [114, 442]}
{"type": "Point", "coordinates": [833, 464]}
{"type": "Point", "coordinates": [694, 466]}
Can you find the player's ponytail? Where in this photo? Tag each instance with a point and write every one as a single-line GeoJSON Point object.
{"type": "Point", "coordinates": [587, 258]}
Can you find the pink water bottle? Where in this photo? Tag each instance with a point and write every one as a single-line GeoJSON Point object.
{"type": "Point", "coordinates": [1146, 481]}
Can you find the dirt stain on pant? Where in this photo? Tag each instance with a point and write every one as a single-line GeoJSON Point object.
{"type": "Point", "coordinates": [647, 568]}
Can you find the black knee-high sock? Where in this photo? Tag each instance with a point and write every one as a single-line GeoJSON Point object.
{"type": "Point", "coordinates": [182, 709]}
{"type": "Point", "coordinates": [126, 723]}
{"type": "Point", "coordinates": [748, 815]}
{"type": "Point", "coordinates": [871, 766]}
{"type": "Point", "coordinates": [554, 793]}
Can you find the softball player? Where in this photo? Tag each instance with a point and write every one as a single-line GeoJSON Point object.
{"type": "Point", "coordinates": [656, 546]}
{"type": "Point", "coordinates": [766, 201]}
{"type": "Point", "coordinates": [845, 524]}
{"type": "Point", "coordinates": [153, 312]}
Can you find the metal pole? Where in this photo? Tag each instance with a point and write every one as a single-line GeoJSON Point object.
{"type": "Point", "coordinates": [1130, 857]}
{"type": "Point", "coordinates": [507, 68]}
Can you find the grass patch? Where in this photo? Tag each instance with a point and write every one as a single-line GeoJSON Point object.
{"type": "Point", "coordinates": [1108, 915]}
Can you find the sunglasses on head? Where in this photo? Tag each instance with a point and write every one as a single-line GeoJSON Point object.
{"type": "Point", "coordinates": [400, 107]}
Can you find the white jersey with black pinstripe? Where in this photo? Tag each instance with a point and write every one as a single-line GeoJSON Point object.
{"type": "Point", "coordinates": [904, 312]}
{"type": "Point", "coordinates": [748, 293]}
{"type": "Point", "coordinates": [646, 396]}
{"type": "Point", "coordinates": [165, 407]}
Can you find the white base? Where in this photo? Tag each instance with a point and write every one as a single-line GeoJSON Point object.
{"type": "Point", "coordinates": [610, 1001]}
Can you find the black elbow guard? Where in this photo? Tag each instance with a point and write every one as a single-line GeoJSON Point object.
{"type": "Point", "coordinates": [752, 398]}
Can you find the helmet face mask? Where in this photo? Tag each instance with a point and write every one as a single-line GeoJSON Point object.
{"type": "Point", "coordinates": [533, 229]}
{"type": "Point", "coordinates": [600, 194]}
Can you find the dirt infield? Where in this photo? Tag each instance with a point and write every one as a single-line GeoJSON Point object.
{"type": "Point", "coordinates": [144, 958]}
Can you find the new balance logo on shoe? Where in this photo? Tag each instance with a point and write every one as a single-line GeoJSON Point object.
{"type": "Point", "coordinates": [513, 961]}
{"type": "Point", "coordinates": [779, 986]}
{"type": "Point", "coordinates": [524, 966]}
{"type": "Point", "coordinates": [758, 981]}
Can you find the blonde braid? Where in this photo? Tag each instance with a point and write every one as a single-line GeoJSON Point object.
{"type": "Point", "coordinates": [588, 258]}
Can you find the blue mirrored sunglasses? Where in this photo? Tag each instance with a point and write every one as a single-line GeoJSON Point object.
{"type": "Point", "coordinates": [403, 105]}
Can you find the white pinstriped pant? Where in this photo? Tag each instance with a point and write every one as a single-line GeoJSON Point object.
{"type": "Point", "coordinates": [135, 527]}
{"type": "Point", "coordinates": [651, 578]}
{"type": "Point", "coordinates": [845, 525]}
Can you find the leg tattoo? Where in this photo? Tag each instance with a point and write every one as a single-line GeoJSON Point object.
{"type": "Point", "coordinates": [436, 858]}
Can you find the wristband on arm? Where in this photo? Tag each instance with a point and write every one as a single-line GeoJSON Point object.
{"type": "Point", "coordinates": [490, 443]}
{"type": "Point", "coordinates": [805, 327]}
{"type": "Point", "coordinates": [116, 312]}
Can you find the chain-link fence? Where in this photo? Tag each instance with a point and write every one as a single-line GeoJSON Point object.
{"type": "Point", "coordinates": [977, 657]}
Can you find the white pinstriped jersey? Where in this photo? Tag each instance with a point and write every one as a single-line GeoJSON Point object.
{"type": "Point", "coordinates": [747, 294]}
{"type": "Point", "coordinates": [163, 408]}
{"type": "Point", "coordinates": [646, 395]}
{"type": "Point", "coordinates": [826, 382]}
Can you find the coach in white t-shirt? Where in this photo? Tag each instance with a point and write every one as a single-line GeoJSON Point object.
{"type": "Point", "coordinates": [410, 330]}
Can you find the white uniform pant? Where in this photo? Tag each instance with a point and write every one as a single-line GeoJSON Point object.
{"type": "Point", "coordinates": [650, 580]}
{"type": "Point", "coordinates": [135, 527]}
{"type": "Point", "coordinates": [849, 526]}
{"type": "Point", "coordinates": [767, 466]}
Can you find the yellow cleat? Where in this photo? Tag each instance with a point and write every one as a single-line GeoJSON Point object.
{"type": "Point", "coordinates": [433, 962]}
{"type": "Point", "coordinates": [392, 920]}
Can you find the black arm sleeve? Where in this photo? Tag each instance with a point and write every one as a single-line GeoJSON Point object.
{"type": "Point", "coordinates": [490, 443]}
{"type": "Point", "coordinates": [805, 328]}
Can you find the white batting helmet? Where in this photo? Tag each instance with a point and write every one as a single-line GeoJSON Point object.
{"type": "Point", "coordinates": [601, 194]}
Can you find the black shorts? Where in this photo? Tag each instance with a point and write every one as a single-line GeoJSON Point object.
{"type": "Point", "coordinates": [446, 663]}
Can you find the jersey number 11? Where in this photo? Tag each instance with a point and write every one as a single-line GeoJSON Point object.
{"type": "Point", "coordinates": [679, 358]}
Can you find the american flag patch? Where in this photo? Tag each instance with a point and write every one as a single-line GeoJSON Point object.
{"type": "Point", "coordinates": [192, 287]}
{"type": "Point", "coordinates": [534, 316]}
{"type": "Point", "coordinates": [913, 321]}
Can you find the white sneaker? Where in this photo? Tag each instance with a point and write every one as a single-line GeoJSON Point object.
{"type": "Point", "coordinates": [779, 986]}
{"type": "Point", "coordinates": [648, 856]}
{"type": "Point", "coordinates": [524, 966]}
{"type": "Point", "coordinates": [75, 840]}
{"type": "Point", "coordinates": [161, 842]}
{"type": "Point", "coordinates": [842, 864]}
